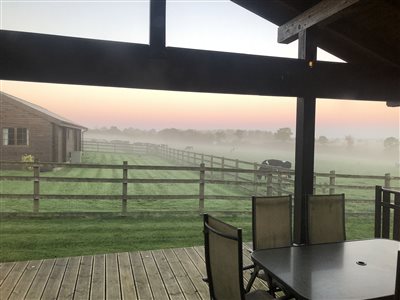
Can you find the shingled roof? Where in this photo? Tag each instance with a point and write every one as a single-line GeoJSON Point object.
{"type": "Point", "coordinates": [40, 111]}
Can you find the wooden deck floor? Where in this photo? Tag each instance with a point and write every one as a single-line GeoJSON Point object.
{"type": "Point", "coordinates": [159, 274]}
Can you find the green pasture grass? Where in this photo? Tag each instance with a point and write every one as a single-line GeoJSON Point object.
{"type": "Point", "coordinates": [25, 238]}
{"type": "Point", "coordinates": [40, 238]}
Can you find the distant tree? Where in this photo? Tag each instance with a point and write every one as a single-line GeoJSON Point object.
{"type": "Point", "coordinates": [323, 140]}
{"type": "Point", "coordinates": [283, 134]}
{"type": "Point", "coordinates": [349, 141]}
{"type": "Point", "coordinates": [114, 130]}
{"type": "Point", "coordinates": [240, 134]}
{"type": "Point", "coordinates": [220, 136]}
{"type": "Point", "coordinates": [391, 143]}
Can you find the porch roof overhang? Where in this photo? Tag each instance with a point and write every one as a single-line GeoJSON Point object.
{"type": "Point", "coordinates": [28, 57]}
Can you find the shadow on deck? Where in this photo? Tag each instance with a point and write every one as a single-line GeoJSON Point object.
{"type": "Point", "coordinates": [158, 274]}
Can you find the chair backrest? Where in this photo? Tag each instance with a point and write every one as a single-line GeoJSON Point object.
{"type": "Point", "coordinates": [224, 262]}
{"type": "Point", "coordinates": [397, 286]}
{"type": "Point", "coordinates": [326, 222]}
{"type": "Point", "coordinates": [387, 203]}
{"type": "Point", "coordinates": [272, 222]}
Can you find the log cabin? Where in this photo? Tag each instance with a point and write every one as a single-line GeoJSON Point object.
{"type": "Point", "coordinates": [28, 129]}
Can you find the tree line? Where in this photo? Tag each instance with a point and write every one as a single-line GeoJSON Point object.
{"type": "Point", "coordinates": [226, 136]}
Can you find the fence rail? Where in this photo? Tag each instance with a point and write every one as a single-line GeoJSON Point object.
{"type": "Point", "coordinates": [211, 169]}
{"type": "Point", "coordinates": [276, 183]}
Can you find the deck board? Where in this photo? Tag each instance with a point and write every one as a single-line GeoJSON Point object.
{"type": "Point", "coordinates": [166, 274]}
{"type": "Point", "coordinates": [98, 286]}
{"type": "Point", "coordinates": [128, 289]}
{"type": "Point", "coordinates": [113, 290]}
{"type": "Point", "coordinates": [55, 279]}
{"type": "Point", "coordinates": [82, 288]}
{"type": "Point", "coordinates": [25, 281]}
{"type": "Point", "coordinates": [67, 289]}
{"type": "Point", "coordinates": [39, 282]}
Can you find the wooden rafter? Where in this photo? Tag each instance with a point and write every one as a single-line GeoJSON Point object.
{"type": "Point", "coordinates": [56, 59]}
{"type": "Point", "coordinates": [316, 14]}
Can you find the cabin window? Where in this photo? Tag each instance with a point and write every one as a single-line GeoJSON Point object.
{"type": "Point", "coordinates": [15, 136]}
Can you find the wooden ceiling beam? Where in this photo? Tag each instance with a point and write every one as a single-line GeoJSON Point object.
{"type": "Point", "coordinates": [320, 12]}
{"type": "Point", "coordinates": [68, 60]}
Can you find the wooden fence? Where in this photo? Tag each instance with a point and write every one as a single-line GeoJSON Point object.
{"type": "Point", "coordinates": [323, 182]}
{"type": "Point", "coordinates": [276, 182]}
{"type": "Point", "coordinates": [211, 169]}
{"type": "Point", "coordinates": [202, 180]}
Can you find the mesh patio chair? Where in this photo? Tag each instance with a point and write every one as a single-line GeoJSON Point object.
{"type": "Point", "coordinates": [272, 228]}
{"type": "Point", "coordinates": [397, 287]}
{"type": "Point", "coordinates": [326, 222]}
{"type": "Point", "coordinates": [223, 253]}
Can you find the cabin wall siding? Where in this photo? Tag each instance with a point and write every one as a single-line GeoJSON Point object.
{"type": "Point", "coordinates": [40, 133]}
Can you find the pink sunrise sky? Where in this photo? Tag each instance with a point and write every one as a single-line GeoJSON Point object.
{"type": "Point", "coordinates": [149, 109]}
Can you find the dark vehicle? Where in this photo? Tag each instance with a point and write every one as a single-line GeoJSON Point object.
{"type": "Point", "coordinates": [270, 165]}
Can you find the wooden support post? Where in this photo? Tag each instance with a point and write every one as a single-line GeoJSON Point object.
{"type": "Point", "coordinates": [36, 186]}
{"type": "Point", "coordinates": [125, 188]}
{"type": "Point", "coordinates": [201, 188]}
{"type": "Point", "coordinates": [314, 184]}
{"type": "Point", "coordinates": [387, 181]}
{"type": "Point", "coordinates": [332, 182]}
{"type": "Point", "coordinates": [157, 27]}
{"type": "Point", "coordinates": [305, 140]}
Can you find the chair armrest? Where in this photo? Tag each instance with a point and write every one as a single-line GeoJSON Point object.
{"type": "Point", "coordinates": [249, 267]}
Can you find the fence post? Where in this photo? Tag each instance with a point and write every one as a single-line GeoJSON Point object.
{"type": "Point", "coordinates": [236, 173]}
{"type": "Point", "coordinates": [279, 183]}
{"type": "Point", "coordinates": [255, 178]}
{"type": "Point", "coordinates": [202, 158]}
{"type": "Point", "coordinates": [212, 165]}
{"type": "Point", "coordinates": [269, 184]}
{"type": "Point", "coordinates": [222, 166]}
{"type": "Point", "coordinates": [124, 187]}
{"type": "Point", "coordinates": [332, 182]}
{"type": "Point", "coordinates": [201, 188]}
{"type": "Point", "coordinates": [387, 181]}
{"type": "Point", "coordinates": [36, 186]}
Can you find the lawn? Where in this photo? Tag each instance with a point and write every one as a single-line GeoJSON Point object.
{"type": "Point", "coordinates": [159, 224]}
{"type": "Point", "coordinates": [38, 238]}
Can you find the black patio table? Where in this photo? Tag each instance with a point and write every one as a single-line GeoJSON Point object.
{"type": "Point", "coordinates": [363, 269]}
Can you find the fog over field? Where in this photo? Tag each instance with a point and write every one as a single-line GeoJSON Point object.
{"type": "Point", "coordinates": [347, 154]}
